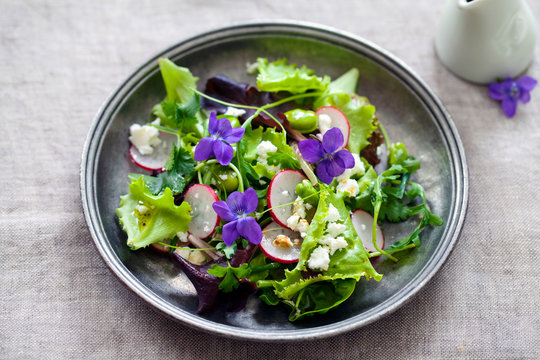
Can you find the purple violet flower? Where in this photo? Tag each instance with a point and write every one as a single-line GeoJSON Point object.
{"type": "Point", "coordinates": [333, 162]}
{"type": "Point", "coordinates": [510, 91]}
{"type": "Point", "coordinates": [235, 210]}
{"type": "Point", "coordinates": [222, 134]}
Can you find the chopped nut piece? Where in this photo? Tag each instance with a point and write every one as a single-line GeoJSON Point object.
{"type": "Point", "coordinates": [282, 241]}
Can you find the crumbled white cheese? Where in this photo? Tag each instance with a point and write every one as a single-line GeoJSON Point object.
{"type": "Point", "coordinates": [262, 151]}
{"type": "Point", "coordinates": [325, 123]}
{"type": "Point", "coordinates": [224, 177]}
{"type": "Point", "coordinates": [292, 221]}
{"type": "Point", "coordinates": [144, 138]}
{"type": "Point", "coordinates": [308, 206]}
{"type": "Point", "coordinates": [299, 207]}
{"type": "Point", "coordinates": [334, 243]}
{"type": "Point", "coordinates": [358, 169]}
{"type": "Point", "coordinates": [264, 148]}
{"type": "Point", "coordinates": [333, 214]}
{"type": "Point", "coordinates": [335, 229]}
{"type": "Point", "coordinates": [182, 236]}
{"type": "Point", "coordinates": [319, 258]}
{"type": "Point", "coordinates": [297, 223]}
{"type": "Point", "coordinates": [348, 185]}
{"type": "Point", "coordinates": [234, 112]}
{"type": "Point", "coordinates": [302, 227]}
{"type": "Point", "coordinates": [141, 209]}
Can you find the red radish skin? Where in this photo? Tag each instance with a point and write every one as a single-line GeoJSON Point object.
{"type": "Point", "coordinates": [338, 119]}
{"type": "Point", "coordinates": [363, 224]}
{"type": "Point", "coordinates": [285, 255]}
{"type": "Point", "coordinates": [203, 217]}
{"type": "Point", "coordinates": [156, 160]}
{"type": "Point", "coordinates": [282, 190]}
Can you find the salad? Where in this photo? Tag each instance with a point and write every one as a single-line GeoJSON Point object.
{"type": "Point", "coordinates": [275, 190]}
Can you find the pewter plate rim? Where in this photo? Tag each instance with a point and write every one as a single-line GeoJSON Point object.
{"type": "Point", "coordinates": [284, 28]}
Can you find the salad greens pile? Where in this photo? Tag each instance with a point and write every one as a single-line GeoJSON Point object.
{"type": "Point", "coordinates": [272, 159]}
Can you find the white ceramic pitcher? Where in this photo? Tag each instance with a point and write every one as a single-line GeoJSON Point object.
{"type": "Point", "coordinates": [482, 40]}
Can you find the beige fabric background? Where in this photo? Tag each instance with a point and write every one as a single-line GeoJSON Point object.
{"type": "Point", "coordinates": [58, 62]}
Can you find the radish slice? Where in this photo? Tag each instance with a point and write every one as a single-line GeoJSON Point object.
{"type": "Point", "coordinates": [273, 236]}
{"type": "Point", "coordinates": [282, 190]}
{"type": "Point", "coordinates": [158, 158]}
{"type": "Point", "coordinates": [363, 224]}
{"type": "Point", "coordinates": [203, 217]}
{"type": "Point", "coordinates": [330, 117]}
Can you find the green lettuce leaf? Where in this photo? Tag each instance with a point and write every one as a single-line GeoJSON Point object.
{"type": "Point", "coordinates": [346, 265]}
{"type": "Point", "coordinates": [361, 115]}
{"type": "Point", "coordinates": [181, 110]}
{"type": "Point", "coordinates": [345, 84]}
{"type": "Point", "coordinates": [179, 82]}
{"type": "Point", "coordinates": [320, 297]}
{"type": "Point", "coordinates": [283, 157]}
{"type": "Point", "coordinates": [161, 220]}
{"type": "Point", "coordinates": [280, 76]}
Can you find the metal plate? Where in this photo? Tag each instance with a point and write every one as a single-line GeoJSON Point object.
{"type": "Point", "coordinates": [410, 111]}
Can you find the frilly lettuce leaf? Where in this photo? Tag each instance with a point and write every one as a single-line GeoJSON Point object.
{"type": "Point", "coordinates": [361, 115]}
{"type": "Point", "coordinates": [283, 157]}
{"type": "Point", "coordinates": [280, 76]}
{"type": "Point", "coordinates": [162, 220]}
{"type": "Point", "coordinates": [346, 265]}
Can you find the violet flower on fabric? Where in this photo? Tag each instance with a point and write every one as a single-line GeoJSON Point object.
{"type": "Point", "coordinates": [334, 161]}
{"type": "Point", "coordinates": [510, 91]}
{"type": "Point", "coordinates": [235, 210]}
{"type": "Point", "coordinates": [217, 145]}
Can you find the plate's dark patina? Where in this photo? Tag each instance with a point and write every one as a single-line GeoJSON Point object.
{"type": "Point", "coordinates": [410, 111]}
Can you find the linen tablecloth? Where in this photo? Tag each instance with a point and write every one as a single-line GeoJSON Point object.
{"type": "Point", "coordinates": [58, 62]}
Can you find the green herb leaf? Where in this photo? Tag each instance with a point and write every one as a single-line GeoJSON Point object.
{"type": "Point", "coordinates": [228, 251]}
{"type": "Point", "coordinates": [284, 161]}
{"type": "Point", "coordinates": [230, 275]}
{"type": "Point", "coordinates": [179, 172]}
